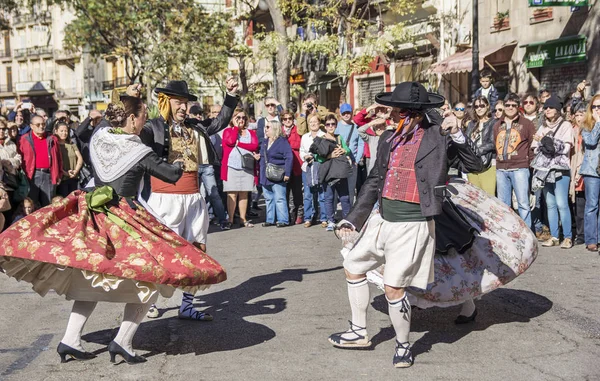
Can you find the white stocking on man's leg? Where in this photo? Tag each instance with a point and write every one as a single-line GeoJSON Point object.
{"type": "Point", "coordinates": [400, 315]}
{"type": "Point", "coordinates": [359, 297]}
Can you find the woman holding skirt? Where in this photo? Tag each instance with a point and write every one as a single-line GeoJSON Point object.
{"type": "Point", "coordinates": [103, 245]}
{"type": "Point", "coordinates": [481, 244]}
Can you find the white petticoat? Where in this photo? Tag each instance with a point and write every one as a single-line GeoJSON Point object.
{"type": "Point", "coordinates": [76, 284]}
{"type": "Point", "coordinates": [185, 214]}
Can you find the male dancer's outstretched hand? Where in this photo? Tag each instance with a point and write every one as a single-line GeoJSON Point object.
{"type": "Point", "coordinates": [232, 85]}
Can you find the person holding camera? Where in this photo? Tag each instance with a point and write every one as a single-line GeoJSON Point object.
{"type": "Point", "coordinates": [314, 197]}
{"type": "Point", "coordinates": [310, 107]}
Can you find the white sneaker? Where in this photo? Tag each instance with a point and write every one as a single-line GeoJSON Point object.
{"type": "Point", "coordinates": [152, 312]}
{"type": "Point", "coordinates": [330, 226]}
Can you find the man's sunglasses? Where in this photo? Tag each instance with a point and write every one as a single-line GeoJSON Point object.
{"type": "Point", "coordinates": [529, 103]}
{"type": "Point", "coordinates": [271, 105]}
{"type": "Point", "coordinates": [331, 124]}
{"type": "Point", "coordinates": [511, 105]}
{"type": "Point", "coordinates": [287, 118]}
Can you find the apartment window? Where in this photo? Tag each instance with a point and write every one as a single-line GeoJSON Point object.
{"type": "Point", "coordinates": [23, 72]}
{"type": "Point", "coordinates": [35, 71]}
{"type": "Point", "coordinates": [7, 44]}
{"type": "Point", "coordinates": [9, 78]}
{"type": "Point", "coordinates": [368, 88]}
{"type": "Point", "coordinates": [48, 70]}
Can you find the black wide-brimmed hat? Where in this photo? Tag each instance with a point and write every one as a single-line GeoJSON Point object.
{"type": "Point", "coordinates": [178, 89]}
{"type": "Point", "coordinates": [410, 95]}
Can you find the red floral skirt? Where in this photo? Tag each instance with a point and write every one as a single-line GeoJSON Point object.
{"type": "Point", "coordinates": [66, 247]}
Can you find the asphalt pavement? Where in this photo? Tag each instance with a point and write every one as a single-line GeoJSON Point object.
{"type": "Point", "coordinates": [286, 294]}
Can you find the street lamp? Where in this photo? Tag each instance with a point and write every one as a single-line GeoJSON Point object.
{"type": "Point", "coordinates": [475, 50]}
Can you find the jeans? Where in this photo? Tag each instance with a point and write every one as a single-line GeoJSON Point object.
{"type": "Point", "coordinates": [277, 208]}
{"type": "Point", "coordinates": [341, 189]}
{"type": "Point", "coordinates": [518, 180]}
{"type": "Point", "coordinates": [206, 174]}
{"type": "Point", "coordinates": [536, 213]}
{"type": "Point", "coordinates": [590, 220]}
{"type": "Point", "coordinates": [314, 198]}
{"type": "Point", "coordinates": [67, 186]}
{"type": "Point", "coordinates": [579, 212]}
{"type": "Point", "coordinates": [294, 186]}
{"type": "Point", "coordinates": [41, 189]}
{"type": "Point", "coordinates": [557, 204]}
{"type": "Point", "coordinates": [351, 180]}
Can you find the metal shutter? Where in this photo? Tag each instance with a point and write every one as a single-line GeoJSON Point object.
{"type": "Point", "coordinates": [367, 89]}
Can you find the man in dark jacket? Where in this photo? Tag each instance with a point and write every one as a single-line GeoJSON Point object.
{"type": "Point", "coordinates": [174, 137]}
{"type": "Point", "coordinates": [408, 180]}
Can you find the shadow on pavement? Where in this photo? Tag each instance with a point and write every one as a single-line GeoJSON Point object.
{"type": "Point", "coordinates": [229, 331]}
{"type": "Point", "coordinates": [498, 307]}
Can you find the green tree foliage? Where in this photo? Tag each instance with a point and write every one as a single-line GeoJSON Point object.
{"type": "Point", "coordinates": [350, 33]}
{"type": "Point", "coordinates": [174, 39]}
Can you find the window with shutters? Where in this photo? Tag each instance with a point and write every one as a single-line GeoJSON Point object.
{"type": "Point", "coordinates": [367, 89]}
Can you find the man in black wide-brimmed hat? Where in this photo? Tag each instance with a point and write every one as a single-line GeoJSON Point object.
{"type": "Point", "coordinates": [181, 206]}
{"type": "Point", "coordinates": [408, 180]}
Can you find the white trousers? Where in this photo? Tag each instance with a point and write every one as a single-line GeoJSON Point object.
{"type": "Point", "coordinates": [406, 248]}
{"type": "Point", "coordinates": [185, 214]}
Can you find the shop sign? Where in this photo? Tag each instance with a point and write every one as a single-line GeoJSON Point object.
{"type": "Point", "coordinates": [558, 3]}
{"type": "Point", "coordinates": [556, 52]}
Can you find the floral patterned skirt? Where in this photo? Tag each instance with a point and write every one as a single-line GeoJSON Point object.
{"type": "Point", "coordinates": [503, 248]}
{"type": "Point", "coordinates": [86, 255]}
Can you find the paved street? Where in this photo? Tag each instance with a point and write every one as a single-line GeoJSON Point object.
{"type": "Point", "coordinates": [286, 294]}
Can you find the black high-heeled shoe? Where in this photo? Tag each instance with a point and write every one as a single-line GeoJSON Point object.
{"type": "Point", "coordinates": [65, 350]}
{"type": "Point", "coordinates": [115, 349]}
{"type": "Point", "coordinates": [461, 319]}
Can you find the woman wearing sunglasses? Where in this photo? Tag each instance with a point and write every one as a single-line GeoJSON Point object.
{"type": "Point", "coordinates": [238, 140]}
{"type": "Point", "coordinates": [331, 150]}
{"type": "Point", "coordinates": [294, 186]}
{"type": "Point", "coordinates": [460, 112]}
{"type": "Point", "coordinates": [498, 111]}
{"type": "Point", "coordinates": [481, 132]}
{"type": "Point", "coordinates": [590, 132]}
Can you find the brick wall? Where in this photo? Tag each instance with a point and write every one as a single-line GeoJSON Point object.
{"type": "Point", "coordinates": [562, 79]}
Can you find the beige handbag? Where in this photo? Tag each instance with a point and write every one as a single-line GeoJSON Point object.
{"type": "Point", "coordinates": [4, 201]}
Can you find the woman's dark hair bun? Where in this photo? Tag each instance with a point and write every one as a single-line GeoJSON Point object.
{"type": "Point", "coordinates": [117, 113]}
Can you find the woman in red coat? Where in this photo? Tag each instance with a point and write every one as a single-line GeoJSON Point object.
{"type": "Point", "coordinates": [237, 180]}
{"type": "Point", "coordinates": [294, 186]}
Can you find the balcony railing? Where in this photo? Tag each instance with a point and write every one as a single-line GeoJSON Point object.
{"type": "Point", "coordinates": [5, 54]}
{"type": "Point", "coordinates": [117, 82]}
{"type": "Point", "coordinates": [38, 18]}
{"type": "Point", "coordinates": [65, 55]}
{"type": "Point", "coordinates": [6, 88]}
{"type": "Point", "coordinates": [35, 86]}
{"type": "Point", "coordinates": [71, 92]}
{"type": "Point", "coordinates": [33, 52]}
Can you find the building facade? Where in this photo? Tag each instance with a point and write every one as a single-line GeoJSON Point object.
{"type": "Point", "coordinates": [527, 48]}
{"type": "Point", "coordinates": [35, 66]}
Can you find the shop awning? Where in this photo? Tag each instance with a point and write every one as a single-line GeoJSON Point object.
{"type": "Point", "coordinates": [462, 62]}
{"type": "Point", "coordinates": [566, 50]}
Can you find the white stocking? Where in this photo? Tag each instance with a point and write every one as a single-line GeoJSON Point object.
{"type": "Point", "coordinates": [79, 315]}
{"type": "Point", "coordinates": [468, 307]}
{"type": "Point", "coordinates": [400, 314]}
{"type": "Point", "coordinates": [133, 315]}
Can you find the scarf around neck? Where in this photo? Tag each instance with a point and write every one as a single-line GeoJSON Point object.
{"type": "Point", "coordinates": [113, 153]}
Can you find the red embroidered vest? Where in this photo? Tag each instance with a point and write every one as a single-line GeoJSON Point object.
{"type": "Point", "coordinates": [401, 180]}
